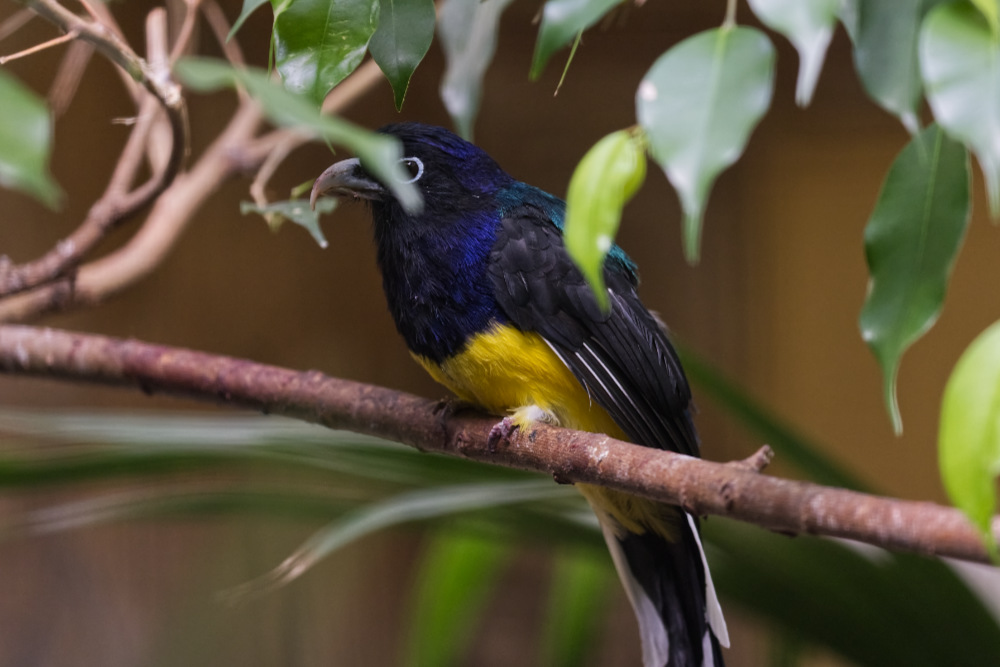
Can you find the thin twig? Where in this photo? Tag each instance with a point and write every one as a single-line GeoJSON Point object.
{"type": "Point", "coordinates": [116, 204]}
{"type": "Point", "coordinates": [171, 213]}
{"type": "Point", "coordinates": [37, 48]}
{"type": "Point", "coordinates": [102, 14]}
{"type": "Point", "coordinates": [187, 30]}
{"type": "Point", "coordinates": [279, 144]}
{"type": "Point", "coordinates": [67, 80]}
{"type": "Point", "coordinates": [700, 486]}
{"type": "Point", "coordinates": [159, 146]}
{"type": "Point", "coordinates": [236, 150]}
{"type": "Point", "coordinates": [15, 22]}
{"type": "Point", "coordinates": [220, 27]}
{"type": "Point", "coordinates": [267, 169]}
{"type": "Point", "coordinates": [89, 8]}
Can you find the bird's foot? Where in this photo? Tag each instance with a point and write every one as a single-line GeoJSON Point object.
{"type": "Point", "coordinates": [520, 418]}
{"type": "Point", "coordinates": [502, 430]}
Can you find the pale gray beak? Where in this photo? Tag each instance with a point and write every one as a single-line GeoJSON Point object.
{"type": "Point", "coordinates": [346, 178]}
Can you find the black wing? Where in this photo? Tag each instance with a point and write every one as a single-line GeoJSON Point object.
{"type": "Point", "coordinates": [622, 357]}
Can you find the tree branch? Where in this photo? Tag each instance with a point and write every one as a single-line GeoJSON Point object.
{"type": "Point", "coordinates": [117, 203]}
{"type": "Point", "coordinates": [735, 490]}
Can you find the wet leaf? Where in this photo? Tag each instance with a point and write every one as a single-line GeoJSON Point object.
{"type": "Point", "coordinates": [317, 43]}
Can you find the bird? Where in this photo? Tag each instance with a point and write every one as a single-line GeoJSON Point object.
{"type": "Point", "coordinates": [487, 299]}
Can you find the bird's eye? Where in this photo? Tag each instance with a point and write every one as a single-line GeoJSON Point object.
{"type": "Point", "coordinates": [414, 167]}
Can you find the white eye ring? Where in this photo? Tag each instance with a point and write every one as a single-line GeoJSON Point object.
{"type": "Point", "coordinates": [406, 161]}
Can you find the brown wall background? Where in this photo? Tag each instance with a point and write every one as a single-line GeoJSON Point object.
{"type": "Point", "coordinates": [774, 303]}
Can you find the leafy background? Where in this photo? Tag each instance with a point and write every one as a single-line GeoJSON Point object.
{"type": "Point", "coordinates": [774, 303]}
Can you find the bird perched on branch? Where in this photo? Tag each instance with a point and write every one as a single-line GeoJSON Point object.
{"type": "Point", "coordinates": [491, 305]}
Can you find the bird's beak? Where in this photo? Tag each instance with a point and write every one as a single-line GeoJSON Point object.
{"type": "Point", "coordinates": [346, 178]}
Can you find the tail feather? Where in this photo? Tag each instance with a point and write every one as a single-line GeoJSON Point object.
{"type": "Point", "coordinates": [671, 591]}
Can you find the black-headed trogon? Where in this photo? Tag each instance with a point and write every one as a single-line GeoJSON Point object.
{"type": "Point", "coordinates": [487, 299]}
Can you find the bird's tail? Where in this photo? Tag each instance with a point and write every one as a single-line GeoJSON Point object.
{"type": "Point", "coordinates": [666, 578]}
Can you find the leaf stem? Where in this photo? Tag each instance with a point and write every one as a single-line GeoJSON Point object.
{"type": "Point", "coordinates": [729, 22]}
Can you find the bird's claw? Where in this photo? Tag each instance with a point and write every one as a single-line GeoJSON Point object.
{"type": "Point", "coordinates": [502, 430]}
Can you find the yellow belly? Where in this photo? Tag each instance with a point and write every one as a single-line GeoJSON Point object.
{"type": "Point", "coordinates": [505, 370]}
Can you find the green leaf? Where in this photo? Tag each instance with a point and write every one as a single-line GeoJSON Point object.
{"type": "Point", "coordinates": [606, 178]}
{"type": "Point", "coordinates": [808, 25]}
{"type": "Point", "coordinates": [317, 43]}
{"type": "Point", "coordinates": [870, 606]}
{"type": "Point", "coordinates": [249, 7]}
{"type": "Point", "coordinates": [379, 153]}
{"type": "Point", "coordinates": [562, 21]}
{"type": "Point", "coordinates": [457, 576]}
{"type": "Point", "coordinates": [969, 436]}
{"type": "Point", "coordinates": [25, 142]}
{"type": "Point", "coordinates": [578, 596]}
{"type": "Point", "coordinates": [885, 54]}
{"type": "Point", "coordinates": [417, 505]}
{"type": "Point", "coordinates": [873, 607]}
{"type": "Point", "coordinates": [848, 15]}
{"type": "Point", "coordinates": [296, 210]}
{"type": "Point", "coordinates": [911, 243]}
{"type": "Point", "coordinates": [960, 60]}
{"type": "Point", "coordinates": [698, 104]}
{"type": "Point", "coordinates": [991, 11]}
{"type": "Point", "coordinates": [468, 30]}
{"type": "Point", "coordinates": [405, 31]}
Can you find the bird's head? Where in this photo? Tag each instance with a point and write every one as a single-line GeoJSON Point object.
{"type": "Point", "coordinates": [451, 174]}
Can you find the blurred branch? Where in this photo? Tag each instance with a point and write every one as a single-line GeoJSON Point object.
{"type": "Point", "coordinates": [117, 203]}
{"type": "Point", "coordinates": [734, 490]}
{"type": "Point", "coordinates": [68, 78]}
{"type": "Point", "coordinates": [172, 212]}
{"type": "Point", "coordinates": [237, 149]}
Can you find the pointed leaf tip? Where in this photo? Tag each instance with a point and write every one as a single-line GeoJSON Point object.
{"type": "Point", "coordinates": [808, 25]}
{"type": "Point", "coordinates": [468, 31]}
{"type": "Point", "coordinates": [562, 22]}
{"type": "Point", "coordinates": [885, 55]}
{"type": "Point", "coordinates": [911, 242]}
{"type": "Point", "coordinates": [698, 105]}
{"type": "Point", "coordinates": [249, 7]}
{"type": "Point", "coordinates": [404, 34]}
